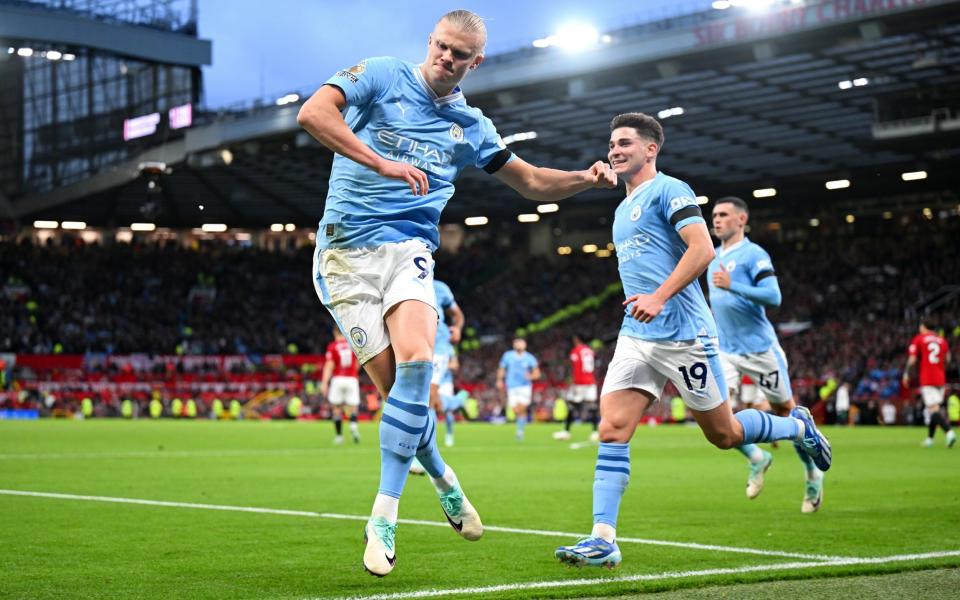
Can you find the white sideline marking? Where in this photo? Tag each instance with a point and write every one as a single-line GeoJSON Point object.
{"type": "Point", "coordinates": [199, 453]}
{"type": "Point", "coordinates": [533, 585]}
{"type": "Point", "coordinates": [166, 454]}
{"type": "Point", "coordinates": [304, 513]}
{"type": "Point", "coordinates": [250, 509]}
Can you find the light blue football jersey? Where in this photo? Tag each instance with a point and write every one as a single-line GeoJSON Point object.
{"type": "Point", "coordinates": [743, 324]}
{"type": "Point", "coordinates": [392, 110]}
{"type": "Point", "coordinates": [441, 344]}
{"type": "Point", "coordinates": [645, 232]}
{"type": "Point", "coordinates": [518, 368]}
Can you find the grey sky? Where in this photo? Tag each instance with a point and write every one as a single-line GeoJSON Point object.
{"type": "Point", "coordinates": [269, 48]}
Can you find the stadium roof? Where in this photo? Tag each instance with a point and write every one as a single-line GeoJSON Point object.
{"type": "Point", "coordinates": [788, 99]}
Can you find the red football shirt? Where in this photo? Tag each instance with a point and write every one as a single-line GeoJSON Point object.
{"type": "Point", "coordinates": [581, 359]}
{"type": "Point", "coordinates": [344, 360]}
{"type": "Point", "coordinates": [932, 351]}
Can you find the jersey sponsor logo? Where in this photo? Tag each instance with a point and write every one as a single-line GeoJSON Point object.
{"type": "Point", "coordinates": [359, 337]}
{"type": "Point", "coordinates": [680, 202]}
{"type": "Point", "coordinates": [358, 68]}
{"type": "Point", "coordinates": [631, 247]}
{"type": "Point", "coordinates": [764, 264]}
{"type": "Point", "coordinates": [456, 132]}
{"type": "Point", "coordinates": [636, 212]}
{"type": "Point", "coordinates": [408, 150]}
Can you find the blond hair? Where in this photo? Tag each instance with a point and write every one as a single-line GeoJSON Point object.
{"type": "Point", "coordinates": [469, 22]}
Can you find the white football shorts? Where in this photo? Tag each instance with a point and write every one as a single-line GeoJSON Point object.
{"type": "Point", "coordinates": [578, 393]}
{"type": "Point", "coordinates": [446, 388]}
{"type": "Point", "coordinates": [692, 365]}
{"type": "Point", "coordinates": [931, 395]}
{"type": "Point", "coordinates": [344, 390]}
{"type": "Point", "coordinates": [441, 363]}
{"type": "Point", "coordinates": [521, 395]}
{"type": "Point", "coordinates": [768, 370]}
{"type": "Point", "coordinates": [360, 285]}
{"type": "Point", "coordinates": [748, 391]}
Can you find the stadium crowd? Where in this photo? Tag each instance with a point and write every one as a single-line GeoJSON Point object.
{"type": "Point", "coordinates": [850, 302]}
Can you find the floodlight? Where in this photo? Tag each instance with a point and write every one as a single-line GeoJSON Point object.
{"type": "Point", "coordinates": [765, 193]}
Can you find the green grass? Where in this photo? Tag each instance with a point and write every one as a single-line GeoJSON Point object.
{"type": "Point", "coordinates": [885, 496]}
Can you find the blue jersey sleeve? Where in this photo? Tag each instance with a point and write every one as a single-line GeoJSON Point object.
{"type": "Point", "coordinates": [679, 206]}
{"type": "Point", "coordinates": [503, 360]}
{"type": "Point", "coordinates": [532, 362]}
{"type": "Point", "coordinates": [761, 286]}
{"type": "Point", "coordinates": [760, 266]}
{"type": "Point", "coordinates": [490, 144]}
{"type": "Point", "coordinates": [366, 80]}
{"type": "Point", "coordinates": [444, 295]}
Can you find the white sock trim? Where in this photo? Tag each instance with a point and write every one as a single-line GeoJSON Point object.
{"type": "Point", "coordinates": [387, 507]}
{"type": "Point", "coordinates": [447, 482]}
{"type": "Point", "coordinates": [604, 531]}
{"type": "Point", "coordinates": [801, 430]}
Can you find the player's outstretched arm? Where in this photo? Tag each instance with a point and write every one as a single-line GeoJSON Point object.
{"type": "Point", "coordinates": [456, 319]}
{"type": "Point", "coordinates": [911, 360]}
{"type": "Point", "coordinates": [694, 261]}
{"type": "Point", "coordinates": [320, 116]}
{"type": "Point", "coordinates": [766, 292]}
{"type": "Point", "coordinates": [543, 184]}
{"type": "Point", "coordinates": [325, 377]}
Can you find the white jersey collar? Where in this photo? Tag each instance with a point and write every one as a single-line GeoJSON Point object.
{"type": "Point", "coordinates": [640, 188]}
{"type": "Point", "coordinates": [450, 98]}
{"type": "Point", "coordinates": [729, 249]}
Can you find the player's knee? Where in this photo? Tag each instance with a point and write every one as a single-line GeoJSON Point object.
{"type": "Point", "coordinates": [611, 432]}
{"type": "Point", "coordinates": [413, 352]}
{"type": "Point", "coordinates": [724, 440]}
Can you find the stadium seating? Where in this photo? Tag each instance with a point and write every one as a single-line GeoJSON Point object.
{"type": "Point", "coordinates": [851, 298]}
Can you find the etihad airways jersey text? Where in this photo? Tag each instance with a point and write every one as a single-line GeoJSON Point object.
{"type": "Point", "coordinates": [645, 231]}
{"type": "Point", "coordinates": [392, 110]}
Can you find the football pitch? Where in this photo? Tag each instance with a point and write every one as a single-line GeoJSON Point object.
{"type": "Point", "coordinates": [170, 509]}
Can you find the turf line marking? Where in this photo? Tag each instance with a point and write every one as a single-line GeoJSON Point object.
{"type": "Point", "coordinates": [165, 454]}
{"type": "Point", "coordinates": [341, 450]}
{"type": "Point", "coordinates": [249, 509]}
{"type": "Point", "coordinates": [311, 514]}
{"type": "Point", "coordinates": [648, 542]}
{"type": "Point", "coordinates": [533, 585]}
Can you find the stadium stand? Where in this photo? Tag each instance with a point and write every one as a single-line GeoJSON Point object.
{"type": "Point", "coordinates": [845, 315]}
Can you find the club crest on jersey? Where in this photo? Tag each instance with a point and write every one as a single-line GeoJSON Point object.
{"type": "Point", "coordinates": [731, 266]}
{"type": "Point", "coordinates": [636, 212]}
{"type": "Point", "coordinates": [456, 132]}
{"type": "Point", "coordinates": [359, 337]}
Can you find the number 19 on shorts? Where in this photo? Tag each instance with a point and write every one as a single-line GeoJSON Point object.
{"type": "Point", "coordinates": [696, 374]}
